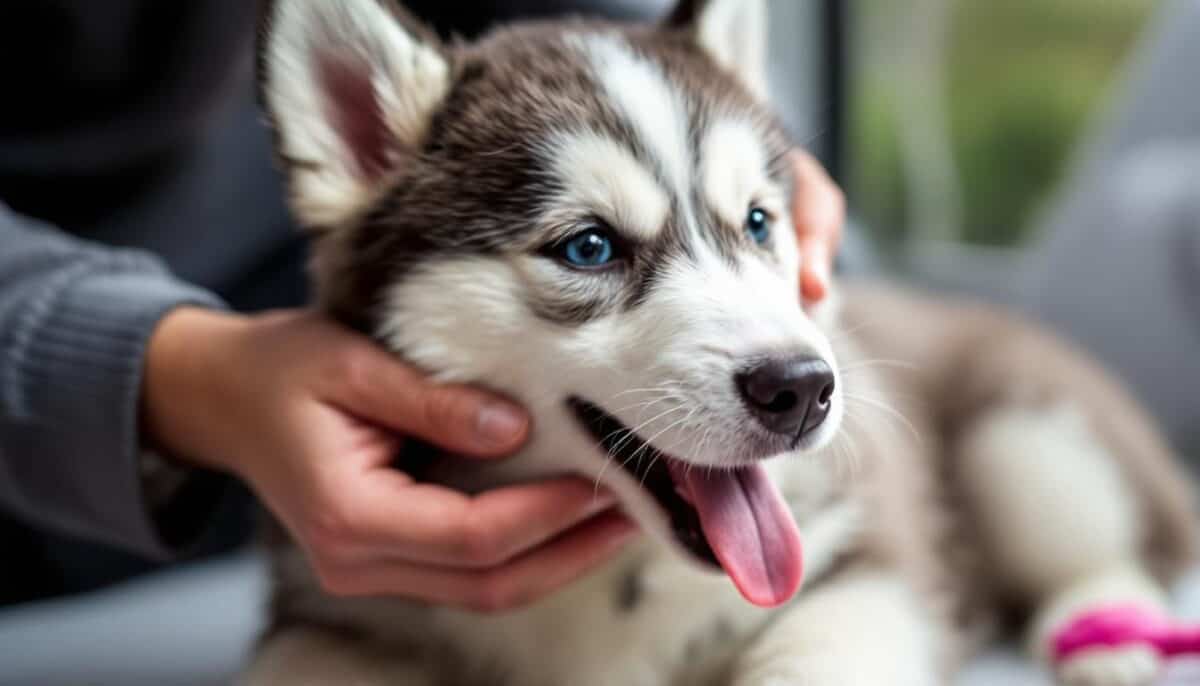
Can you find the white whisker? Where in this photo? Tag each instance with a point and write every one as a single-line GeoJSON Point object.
{"type": "Point", "coordinates": [887, 410]}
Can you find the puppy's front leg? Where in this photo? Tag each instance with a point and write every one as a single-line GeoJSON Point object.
{"type": "Point", "coordinates": [866, 629]}
{"type": "Point", "coordinates": [301, 656]}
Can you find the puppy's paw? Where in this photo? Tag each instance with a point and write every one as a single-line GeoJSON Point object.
{"type": "Point", "coordinates": [1133, 665]}
{"type": "Point", "coordinates": [1100, 630]}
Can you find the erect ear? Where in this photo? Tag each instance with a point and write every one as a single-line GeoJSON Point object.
{"type": "Point", "coordinates": [350, 87]}
{"type": "Point", "coordinates": [733, 32]}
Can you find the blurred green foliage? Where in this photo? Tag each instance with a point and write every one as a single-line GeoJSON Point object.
{"type": "Point", "coordinates": [1021, 80]}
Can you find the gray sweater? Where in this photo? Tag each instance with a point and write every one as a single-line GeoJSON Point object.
{"type": "Point", "coordinates": [135, 176]}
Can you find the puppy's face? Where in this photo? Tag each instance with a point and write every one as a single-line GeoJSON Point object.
{"type": "Point", "coordinates": [590, 218]}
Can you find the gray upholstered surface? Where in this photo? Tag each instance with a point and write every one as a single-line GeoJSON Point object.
{"type": "Point", "coordinates": [193, 626]}
{"type": "Point", "coordinates": [186, 627]}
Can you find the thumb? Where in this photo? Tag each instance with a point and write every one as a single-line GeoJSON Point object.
{"type": "Point", "coordinates": [385, 391]}
{"type": "Point", "coordinates": [468, 420]}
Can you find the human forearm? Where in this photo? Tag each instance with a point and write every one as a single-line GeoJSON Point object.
{"type": "Point", "coordinates": [74, 319]}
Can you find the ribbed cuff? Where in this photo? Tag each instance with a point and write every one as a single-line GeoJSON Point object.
{"type": "Point", "coordinates": [78, 361]}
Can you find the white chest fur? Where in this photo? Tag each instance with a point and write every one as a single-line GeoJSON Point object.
{"type": "Point", "coordinates": [646, 618]}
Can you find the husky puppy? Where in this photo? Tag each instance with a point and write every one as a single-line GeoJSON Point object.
{"type": "Point", "coordinates": [593, 218]}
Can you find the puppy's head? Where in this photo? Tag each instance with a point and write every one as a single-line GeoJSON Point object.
{"type": "Point", "coordinates": [591, 218]}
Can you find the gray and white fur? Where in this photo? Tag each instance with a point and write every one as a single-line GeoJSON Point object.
{"type": "Point", "coordinates": [969, 469]}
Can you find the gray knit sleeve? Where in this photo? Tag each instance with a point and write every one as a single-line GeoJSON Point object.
{"type": "Point", "coordinates": [74, 321]}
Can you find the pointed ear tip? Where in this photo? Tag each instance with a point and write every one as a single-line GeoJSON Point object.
{"type": "Point", "coordinates": [329, 82]}
{"type": "Point", "coordinates": [734, 32]}
{"type": "Point", "coordinates": [689, 12]}
{"type": "Point", "coordinates": [343, 18]}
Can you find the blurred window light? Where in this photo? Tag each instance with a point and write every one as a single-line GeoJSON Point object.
{"type": "Point", "coordinates": [962, 114]}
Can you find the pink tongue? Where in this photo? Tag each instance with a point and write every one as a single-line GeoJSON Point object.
{"type": "Point", "coordinates": [750, 529]}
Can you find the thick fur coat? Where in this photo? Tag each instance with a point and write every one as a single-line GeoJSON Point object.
{"type": "Point", "coordinates": [594, 219]}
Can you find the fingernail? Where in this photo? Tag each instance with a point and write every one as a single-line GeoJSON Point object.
{"type": "Point", "coordinates": [499, 423]}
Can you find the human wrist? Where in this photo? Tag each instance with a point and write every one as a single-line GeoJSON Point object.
{"type": "Point", "coordinates": [185, 387]}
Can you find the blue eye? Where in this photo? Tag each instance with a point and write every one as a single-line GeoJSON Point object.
{"type": "Point", "coordinates": [758, 225]}
{"type": "Point", "coordinates": [592, 248]}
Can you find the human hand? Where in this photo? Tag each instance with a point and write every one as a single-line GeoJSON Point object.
{"type": "Point", "coordinates": [312, 415]}
{"type": "Point", "coordinates": [818, 211]}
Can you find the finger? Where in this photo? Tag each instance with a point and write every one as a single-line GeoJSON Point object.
{"type": "Point", "coordinates": [431, 524]}
{"type": "Point", "coordinates": [513, 585]}
{"type": "Point", "coordinates": [818, 205]}
{"type": "Point", "coordinates": [376, 386]}
{"type": "Point", "coordinates": [818, 210]}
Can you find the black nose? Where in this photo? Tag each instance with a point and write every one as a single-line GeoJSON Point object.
{"type": "Point", "coordinates": [788, 395]}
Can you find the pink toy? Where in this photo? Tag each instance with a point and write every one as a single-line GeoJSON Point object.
{"type": "Point", "coordinates": [1126, 625]}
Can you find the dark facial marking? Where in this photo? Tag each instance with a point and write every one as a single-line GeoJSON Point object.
{"type": "Point", "coordinates": [630, 591]}
{"type": "Point", "coordinates": [567, 310]}
{"type": "Point", "coordinates": [673, 244]}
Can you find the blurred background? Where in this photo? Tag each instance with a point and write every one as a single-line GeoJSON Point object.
{"type": "Point", "coordinates": [1044, 154]}
{"type": "Point", "coordinates": [964, 114]}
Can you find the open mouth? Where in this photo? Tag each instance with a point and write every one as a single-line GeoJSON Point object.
{"type": "Point", "coordinates": [650, 468]}
{"type": "Point", "coordinates": [734, 519]}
